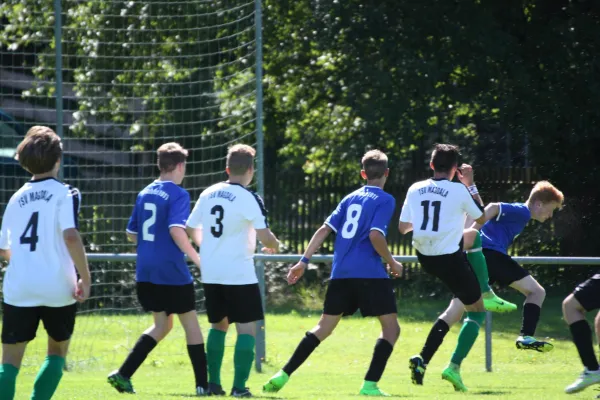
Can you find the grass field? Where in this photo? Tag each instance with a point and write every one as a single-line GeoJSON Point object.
{"type": "Point", "coordinates": [336, 368]}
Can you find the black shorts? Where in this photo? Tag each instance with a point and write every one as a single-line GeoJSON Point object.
{"type": "Point", "coordinates": [502, 269]}
{"type": "Point", "coordinates": [373, 297]}
{"type": "Point", "coordinates": [455, 272]}
{"type": "Point", "coordinates": [20, 324]}
{"type": "Point", "coordinates": [239, 303]}
{"type": "Point", "coordinates": [588, 293]}
{"type": "Point", "coordinates": [171, 299]}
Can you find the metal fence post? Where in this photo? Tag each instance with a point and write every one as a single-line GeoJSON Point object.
{"type": "Point", "coordinates": [488, 341]}
{"type": "Point", "coordinates": [58, 75]}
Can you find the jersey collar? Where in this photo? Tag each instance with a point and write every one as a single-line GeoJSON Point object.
{"type": "Point", "coordinates": [43, 179]}
{"type": "Point", "coordinates": [235, 184]}
{"type": "Point", "coordinates": [439, 179]}
{"type": "Point", "coordinates": [372, 187]}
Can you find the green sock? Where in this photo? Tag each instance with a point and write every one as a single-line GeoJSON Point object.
{"type": "Point", "coordinates": [8, 381]}
{"type": "Point", "coordinates": [48, 378]}
{"type": "Point", "coordinates": [477, 261]}
{"type": "Point", "coordinates": [467, 336]}
{"type": "Point", "coordinates": [215, 348]}
{"type": "Point", "coordinates": [242, 360]}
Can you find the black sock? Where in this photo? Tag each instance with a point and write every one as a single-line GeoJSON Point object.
{"type": "Point", "coordinates": [383, 351]}
{"type": "Point", "coordinates": [138, 354]}
{"type": "Point", "coordinates": [582, 337]}
{"type": "Point", "coordinates": [198, 359]}
{"type": "Point", "coordinates": [531, 316]}
{"type": "Point", "coordinates": [434, 340]}
{"type": "Point", "coordinates": [306, 346]}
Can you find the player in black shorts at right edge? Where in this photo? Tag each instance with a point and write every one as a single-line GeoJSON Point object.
{"type": "Point", "coordinates": [585, 298]}
{"type": "Point", "coordinates": [435, 210]}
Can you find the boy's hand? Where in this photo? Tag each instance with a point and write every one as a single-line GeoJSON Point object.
{"type": "Point", "coordinates": [395, 269]}
{"type": "Point", "coordinates": [296, 273]}
{"type": "Point", "coordinates": [465, 175]}
{"type": "Point", "coordinates": [82, 293]}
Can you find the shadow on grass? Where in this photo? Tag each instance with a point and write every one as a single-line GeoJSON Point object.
{"type": "Point", "coordinates": [427, 309]}
{"type": "Point", "coordinates": [491, 392]}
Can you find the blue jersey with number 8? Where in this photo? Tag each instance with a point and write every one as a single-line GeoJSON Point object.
{"type": "Point", "coordinates": [159, 207]}
{"type": "Point", "coordinates": [366, 209]}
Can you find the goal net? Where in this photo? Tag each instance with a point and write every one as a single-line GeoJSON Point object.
{"type": "Point", "coordinates": [135, 74]}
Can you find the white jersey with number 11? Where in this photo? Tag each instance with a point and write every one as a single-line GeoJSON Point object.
{"type": "Point", "coordinates": [437, 209]}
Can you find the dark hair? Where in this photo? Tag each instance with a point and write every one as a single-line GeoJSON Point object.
{"type": "Point", "coordinates": [170, 155]}
{"type": "Point", "coordinates": [444, 157]}
{"type": "Point", "coordinates": [374, 163]}
{"type": "Point", "coordinates": [240, 158]}
{"type": "Point", "coordinates": [40, 150]}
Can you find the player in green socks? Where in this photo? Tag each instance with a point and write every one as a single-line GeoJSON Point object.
{"type": "Point", "coordinates": [40, 283]}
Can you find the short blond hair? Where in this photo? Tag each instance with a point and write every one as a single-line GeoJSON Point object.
{"type": "Point", "coordinates": [170, 155]}
{"type": "Point", "coordinates": [546, 192]}
{"type": "Point", "coordinates": [374, 163]}
{"type": "Point", "coordinates": [40, 150]}
{"type": "Point", "coordinates": [240, 158]}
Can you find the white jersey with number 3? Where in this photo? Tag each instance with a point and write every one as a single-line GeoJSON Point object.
{"type": "Point", "coordinates": [437, 209]}
{"type": "Point", "coordinates": [40, 272]}
{"type": "Point", "coordinates": [229, 215]}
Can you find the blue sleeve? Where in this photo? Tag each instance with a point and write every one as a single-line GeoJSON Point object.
{"type": "Point", "coordinates": [132, 225]}
{"type": "Point", "coordinates": [383, 215]}
{"type": "Point", "coordinates": [510, 212]}
{"type": "Point", "coordinates": [336, 219]}
{"type": "Point", "coordinates": [179, 210]}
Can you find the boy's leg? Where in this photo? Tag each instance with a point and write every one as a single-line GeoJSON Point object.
{"type": "Point", "coordinates": [474, 251]}
{"type": "Point", "coordinates": [417, 364]}
{"type": "Point", "coordinates": [60, 324]}
{"type": "Point", "coordinates": [12, 356]}
{"type": "Point", "coordinates": [535, 295]}
{"type": "Point", "coordinates": [19, 327]}
{"type": "Point", "coordinates": [390, 331]}
{"type": "Point", "coordinates": [121, 379]}
{"type": "Point", "coordinates": [217, 312]}
{"type": "Point", "coordinates": [307, 345]}
{"type": "Point", "coordinates": [586, 297]}
{"type": "Point", "coordinates": [195, 347]}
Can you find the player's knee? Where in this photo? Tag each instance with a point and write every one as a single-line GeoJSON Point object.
{"type": "Point", "coordinates": [539, 292]}
{"type": "Point", "coordinates": [571, 306]}
{"type": "Point", "coordinates": [58, 348]}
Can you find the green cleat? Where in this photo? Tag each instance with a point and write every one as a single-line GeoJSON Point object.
{"type": "Point", "coordinates": [494, 303]}
{"type": "Point", "coordinates": [371, 389]}
{"type": "Point", "coordinates": [531, 343]}
{"type": "Point", "coordinates": [452, 375]}
{"type": "Point", "coordinates": [119, 382]}
{"type": "Point", "coordinates": [276, 383]}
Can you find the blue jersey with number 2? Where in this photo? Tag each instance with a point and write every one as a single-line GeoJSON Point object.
{"type": "Point", "coordinates": [159, 207]}
{"type": "Point", "coordinates": [368, 208]}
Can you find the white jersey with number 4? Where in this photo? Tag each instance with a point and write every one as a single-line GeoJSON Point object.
{"type": "Point", "coordinates": [437, 209]}
{"type": "Point", "coordinates": [229, 215]}
{"type": "Point", "coordinates": [40, 271]}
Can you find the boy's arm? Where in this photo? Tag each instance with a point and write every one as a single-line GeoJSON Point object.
{"type": "Point", "coordinates": [195, 234]}
{"type": "Point", "coordinates": [5, 240]}
{"type": "Point", "coordinates": [132, 237]}
{"type": "Point", "coordinates": [268, 239]}
{"type": "Point", "coordinates": [180, 238]}
{"type": "Point", "coordinates": [315, 243]}
{"type": "Point", "coordinates": [68, 210]}
{"type": "Point", "coordinates": [405, 223]}
{"type": "Point", "coordinates": [5, 255]}
{"type": "Point", "coordinates": [491, 211]}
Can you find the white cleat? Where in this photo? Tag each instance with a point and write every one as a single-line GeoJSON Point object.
{"type": "Point", "coordinates": [586, 379]}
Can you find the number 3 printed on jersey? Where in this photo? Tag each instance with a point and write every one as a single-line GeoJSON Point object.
{"type": "Point", "coordinates": [351, 225]}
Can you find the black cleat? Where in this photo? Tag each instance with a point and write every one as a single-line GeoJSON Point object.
{"type": "Point", "coordinates": [245, 392]}
{"type": "Point", "coordinates": [417, 369]}
{"type": "Point", "coordinates": [215, 390]}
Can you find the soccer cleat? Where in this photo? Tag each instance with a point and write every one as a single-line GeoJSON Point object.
{"type": "Point", "coordinates": [417, 369]}
{"type": "Point", "coordinates": [585, 380]}
{"type": "Point", "coordinates": [276, 383]}
{"type": "Point", "coordinates": [200, 391]}
{"type": "Point", "coordinates": [245, 392]}
{"type": "Point", "coordinates": [531, 343]}
{"type": "Point", "coordinates": [119, 382]}
{"type": "Point", "coordinates": [215, 390]}
{"type": "Point", "coordinates": [371, 389]}
{"type": "Point", "coordinates": [452, 375]}
{"type": "Point", "coordinates": [494, 303]}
